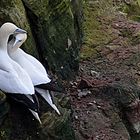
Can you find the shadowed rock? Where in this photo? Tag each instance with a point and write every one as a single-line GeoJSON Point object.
{"type": "Point", "coordinates": [4, 107]}
{"type": "Point", "coordinates": [55, 34]}
{"type": "Point", "coordinates": [57, 127]}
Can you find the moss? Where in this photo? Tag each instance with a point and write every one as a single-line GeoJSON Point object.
{"type": "Point", "coordinates": [2, 97]}
{"type": "Point", "coordinates": [98, 16]}
{"type": "Point", "coordinates": [88, 52]}
{"type": "Point", "coordinates": [57, 127]}
{"type": "Point", "coordinates": [97, 13]}
{"type": "Point", "coordinates": [54, 23]}
{"type": "Point", "coordinates": [5, 130]}
{"type": "Point", "coordinates": [132, 10]}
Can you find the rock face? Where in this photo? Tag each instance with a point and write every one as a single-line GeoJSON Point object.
{"type": "Point", "coordinates": [4, 107]}
{"type": "Point", "coordinates": [57, 127]}
{"type": "Point", "coordinates": [54, 29]}
{"type": "Point", "coordinates": [54, 34]}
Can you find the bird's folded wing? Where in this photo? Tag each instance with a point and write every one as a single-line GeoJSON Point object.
{"type": "Point", "coordinates": [11, 83]}
{"type": "Point", "coordinates": [33, 69]}
{"type": "Point", "coordinates": [35, 62]}
{"type": "Point", "coordinates": [23, 76]}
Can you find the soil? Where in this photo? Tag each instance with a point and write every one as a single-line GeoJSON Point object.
{"type": "Point", "coordinates": [104, 95]}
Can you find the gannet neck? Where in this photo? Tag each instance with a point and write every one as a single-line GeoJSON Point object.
{"type": "Point", "coordinates": [5, 31]}
{"type": "Point", "coordinates": [3, 39]}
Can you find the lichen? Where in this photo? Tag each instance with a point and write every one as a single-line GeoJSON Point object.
{"type": "Point", "coordinates": [132, 10]}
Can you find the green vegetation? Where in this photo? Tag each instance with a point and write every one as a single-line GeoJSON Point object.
{"type": "Point", "coordinates": [98, 16]}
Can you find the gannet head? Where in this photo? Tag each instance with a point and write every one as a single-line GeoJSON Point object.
{"type": "Point", "coordinates": [19, 40]}
{"type": "Point", "coordinates": [16, 42]}
{"type": "Point", "coordinates": [9, 28]}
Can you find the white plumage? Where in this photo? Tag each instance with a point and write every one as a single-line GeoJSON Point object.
{"type": "Point", "coordinates": [13, 78]}
{"type": "Point", "coordinates": [32, 66]}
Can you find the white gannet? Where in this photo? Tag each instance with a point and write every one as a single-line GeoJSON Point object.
{"type": "Point", "coordinates": [32, 66]}
{"type": "Point", "coordinates": [13, 78]}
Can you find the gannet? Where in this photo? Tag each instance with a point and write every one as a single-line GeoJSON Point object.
{"type": "Point", "coordinates": [32, 66]}
{"type": "Point", "coordinates": [13, 78]}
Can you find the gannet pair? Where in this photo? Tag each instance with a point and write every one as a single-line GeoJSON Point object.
{"type": "Point", "coordinates": [32, 66]}
{"type": "Point", "coordinates": [17, 75]}
{"type": "Point", "coordinates": [13, 78]}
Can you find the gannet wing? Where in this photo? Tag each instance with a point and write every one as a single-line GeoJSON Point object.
{"type": "Point", "coordinates": [23, 77]}
{"type": "Point", "coordinates": [34, 61]}
{"type": "Point", "coordinates": [10, 82]}
{"type": "Point", "coordinates": [50, 86]}
{"type": "Point", "coordinates": [27, 100]}
{"type": "Point", "coordinates": [35, 74]}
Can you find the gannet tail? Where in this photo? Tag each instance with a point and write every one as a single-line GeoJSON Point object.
{"type": "Point", "coordinates": [46, 95]}
{"type": "Point", "coordinates": [35, 114]}
{"type": "Point", "coordinates": [27, 100]}
{"type": "Point", "coordinates": [50, 86]}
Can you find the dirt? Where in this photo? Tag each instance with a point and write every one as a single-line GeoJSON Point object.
{"type": "Point", "coordinates": [104, 96]}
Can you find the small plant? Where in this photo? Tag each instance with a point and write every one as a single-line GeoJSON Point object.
{"type": "Point", "coordinates": [2, 133]}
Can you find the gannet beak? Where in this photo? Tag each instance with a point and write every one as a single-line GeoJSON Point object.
{"type": "Point", "coordinates": [19, 31]}
{"type": "Point", "coordinates": [16, 41]}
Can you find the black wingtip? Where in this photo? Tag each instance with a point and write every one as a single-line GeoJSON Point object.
{"type": "Point", "coordinates": [51, 87]}
{"type": "Point", "coordinates": [26, 101]}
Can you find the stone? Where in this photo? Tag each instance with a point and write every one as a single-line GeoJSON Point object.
{"type": "Point", "coordinates": [4, 107]}
{"type": "Point", "coordinates": [85, 83]}
{"type": "Point", "coordinates": [84, 93]}
{"type": "Point", "coordinates": [57, 127]}
{"type": "Point", "coordinates": [54, 25]}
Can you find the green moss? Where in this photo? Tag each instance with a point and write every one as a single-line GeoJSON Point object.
{"type": "Point", "coordinates": [88, 52]}
{"type": "Point", "coordinates": [5, 130]}
{"type": "Point", "coordinates": [98, 17]}
{"type": "Point", "coordinates": [132, 10]}
{"type": "Point", "coordinates": [2, 97]}
{"type": "Point", "coordinates": [97, 13]}
{"type": "Point", "coordinates": [54, 26]}
{"type": "Point", "coordinates": [57, 127]}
